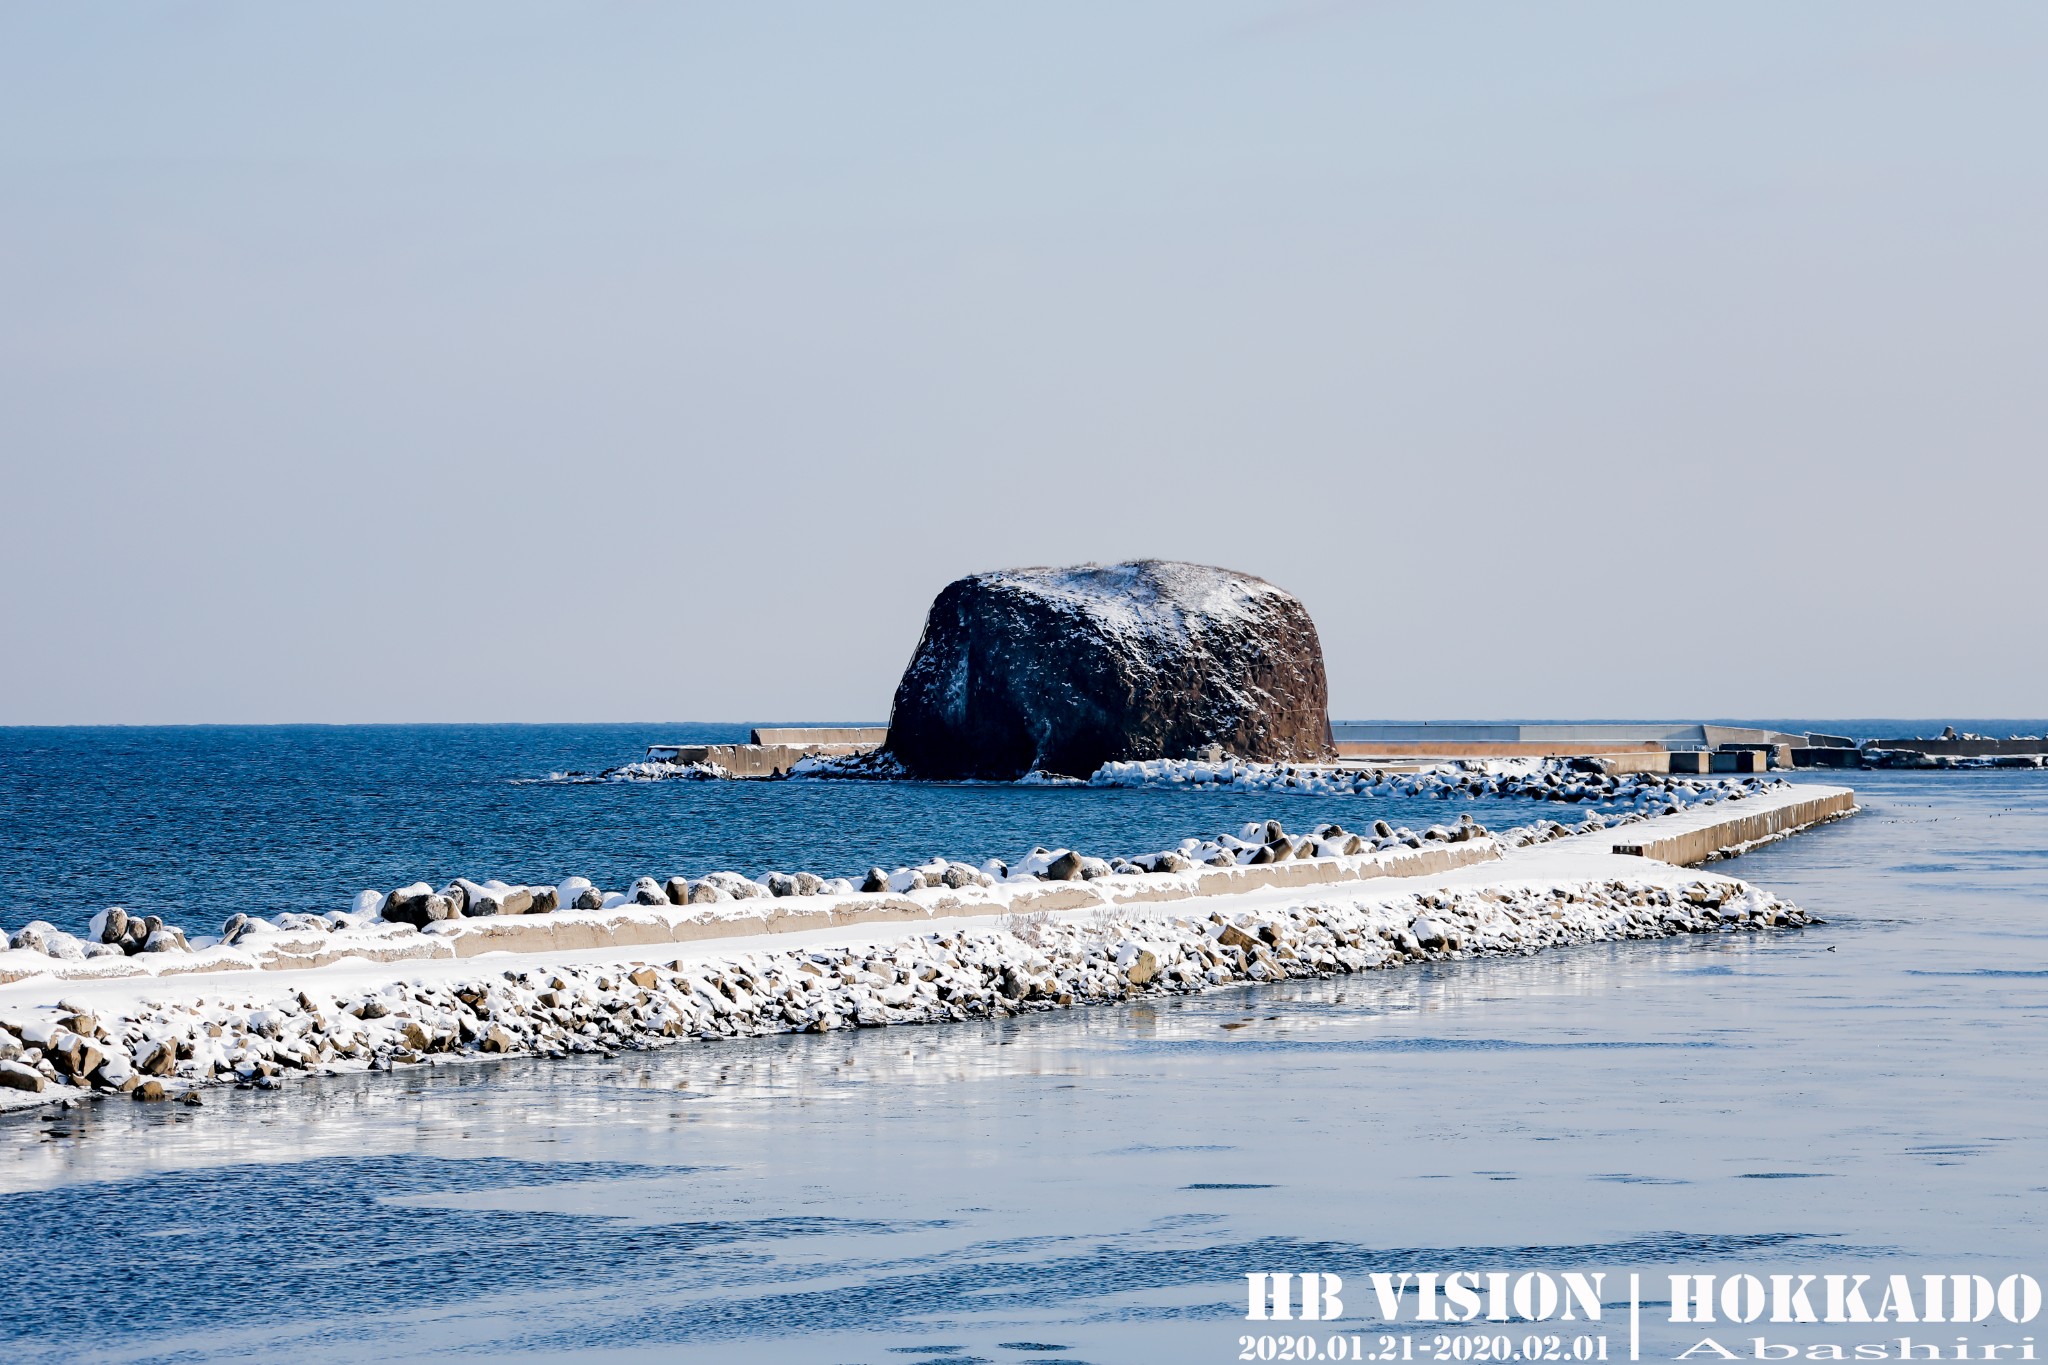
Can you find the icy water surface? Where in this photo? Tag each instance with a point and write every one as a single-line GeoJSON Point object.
{"type": "Point", "coordinates": [1092, 1185]}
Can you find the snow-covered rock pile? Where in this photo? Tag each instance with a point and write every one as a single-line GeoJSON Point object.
{"type": "Point", "coordinates": [877, 766]}
{"type": "Point", "coordinates": [1260, 842]}
{"type": "Point", "coordinates": [1546, 779]}
{"type": "Point", "coordinates": [113, 933]}
{"type": "Point", "coordinates": [1913, 758]}
{"type": "Point", "coordinates": [420, 904]}
{"type": "Point", "coordinates": [650, 770]}
{"type": "Point", "coordinates": [160, 1048]}
{"type": "Point", "coordinates": [1553, 779]}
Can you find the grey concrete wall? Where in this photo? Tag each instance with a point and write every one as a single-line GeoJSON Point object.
{"type": "Point", "coordinates": [1566, 737]}
{"type": "Point", "coordinates": [872, 736]}
{"type": "Point", "coordinates": [1645, 761]}
{"type": "Point", "coordinates": [1696, 846]}
{"type": "Point", "coordinates": [1358, 732]}
{"type": "Point", "coordinates": [1489, 749]}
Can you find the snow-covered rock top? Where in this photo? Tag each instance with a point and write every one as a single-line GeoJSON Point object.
{"type": "Point", "coordinates": [1063, 670]}
{"type": "Point", "coordinates": [1162, 599]}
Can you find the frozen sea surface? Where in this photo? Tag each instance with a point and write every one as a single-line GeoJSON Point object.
{"type": "Point", "coordinates": [1093, 1185]}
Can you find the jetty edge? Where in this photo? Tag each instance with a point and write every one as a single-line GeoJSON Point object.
{"type": "Point", "coordinates": [593, 984]}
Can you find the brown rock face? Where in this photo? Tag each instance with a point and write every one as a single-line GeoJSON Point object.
{"type": "Point", "coordinates": [1067, 669]}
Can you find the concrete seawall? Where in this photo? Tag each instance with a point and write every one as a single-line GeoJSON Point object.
{"type": "Point", "coordinates": [1722, 831]}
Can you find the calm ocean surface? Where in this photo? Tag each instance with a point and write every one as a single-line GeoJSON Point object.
{"type": "Point", "coordinates": [1082, 1186]}
{"type": "Point", "coordinates": [195, 823]}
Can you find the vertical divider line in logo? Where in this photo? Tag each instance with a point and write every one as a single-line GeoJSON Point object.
{"type": "Point", "coordinates": [1635, 1315]}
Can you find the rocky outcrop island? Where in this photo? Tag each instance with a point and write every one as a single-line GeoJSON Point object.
{"type": "Point", "coordinates": [1064, 670]}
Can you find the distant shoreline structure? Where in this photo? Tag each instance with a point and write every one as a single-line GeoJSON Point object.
{"type": "Point", "coordinates": [1644, 746]}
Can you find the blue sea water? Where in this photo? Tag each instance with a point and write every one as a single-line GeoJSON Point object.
{"type": "Point", "coordinates": [197, 823]}
{"type": "Point", "coordinates": [1864, 1096]}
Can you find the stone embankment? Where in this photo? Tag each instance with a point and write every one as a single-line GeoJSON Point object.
{"type": "Point", "coordinates": [156, 1047]}
{"type": "Point", "coordinates": [468, 919]}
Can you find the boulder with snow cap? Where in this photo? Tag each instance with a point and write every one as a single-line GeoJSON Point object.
{"type": "Point", "coordinates": [496, 898]}
{"type": "Point", "coordinates": [20, 1076]}
{"type": "Point", "coordinates": [1063, 670]}
{"type": "Point", "coordinates": [406, 905]}
{"type": "Point", "coordinates": [109, 925]}
{"type": "Point", "coordinates": [46, 938]}
{"type": "Point", "coordinates": [33, 936]}
{"type": "Point", "coordinates": [1065, 868]}
{"type": "Point", "coordinates": [1433, 934]}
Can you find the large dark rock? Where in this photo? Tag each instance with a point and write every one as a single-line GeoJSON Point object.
{"type": "Point", "coordinates": [1067, 669]}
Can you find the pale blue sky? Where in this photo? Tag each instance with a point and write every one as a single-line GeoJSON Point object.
{"type": "Point", "coordinates": [636, 361]}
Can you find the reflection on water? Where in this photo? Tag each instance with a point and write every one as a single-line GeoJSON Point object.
{"type": "Point", "coordinates": [1099, 1180]}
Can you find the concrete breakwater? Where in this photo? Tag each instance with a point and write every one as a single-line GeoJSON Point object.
{"type": "Point", "coordinates": [996, 950]}
{"type": "Point", "coordinates": [1690, 841]}
{"type": "Point", "coordinates": [466, 918]}
{"type": "Point", "coordinates": [727, 906]}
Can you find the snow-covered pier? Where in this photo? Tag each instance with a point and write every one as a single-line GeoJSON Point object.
{"type": "Point", "coordinates": [161, 1025]}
